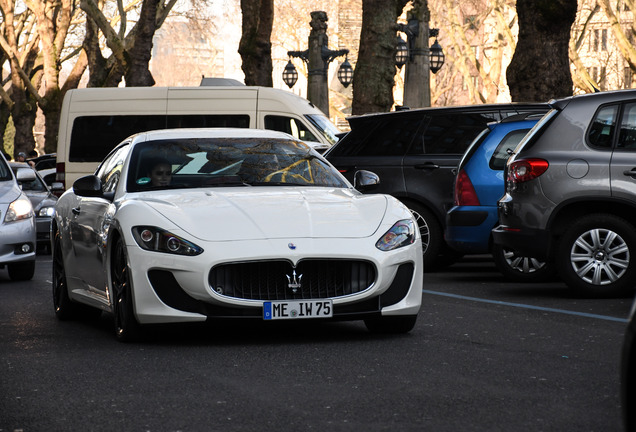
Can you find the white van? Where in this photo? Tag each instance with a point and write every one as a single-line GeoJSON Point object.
{"type": "Point", "coordinates": [94, 120]}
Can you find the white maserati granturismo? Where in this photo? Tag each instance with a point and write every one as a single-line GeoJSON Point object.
{"type": "Point", "coordinates": [188, 225]}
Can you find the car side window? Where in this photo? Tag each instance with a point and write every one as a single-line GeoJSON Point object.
{"type": "Point", "coordinates": [449, 134]}
{"type": "Point", "coordinates": [501, 154]}
{"type": "Point", "coordinates": [289, 125]}
{"type": "Point", "coordinates": [601, 130]}
{"type": "Point", "coordinates": [627, 134]}
{"type": "Point", "coordinates": [110, 171]}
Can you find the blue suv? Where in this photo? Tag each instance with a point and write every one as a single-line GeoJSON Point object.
{"type": "Point", "coordinates": [479, 184]}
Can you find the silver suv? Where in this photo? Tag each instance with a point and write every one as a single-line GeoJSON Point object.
{"type": "Point", "coordinates": [571, 193]}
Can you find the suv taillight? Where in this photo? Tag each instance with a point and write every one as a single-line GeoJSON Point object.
{"type": "Point", "coordinates": [524, 170]}
{"type": "Point", "coordinates": [465, 194]}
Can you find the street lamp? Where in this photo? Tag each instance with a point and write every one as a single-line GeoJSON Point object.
{"type": "Point", "coordinates": [345, 72]}
{"type": "Point", "coordinates": [436, 55]}
{"type": "Point", "coordinates": [318, 56]}
{"type": "Point", "coordinates": [290, 75]}
{"type": "Point", "coordinates": [406, 50]}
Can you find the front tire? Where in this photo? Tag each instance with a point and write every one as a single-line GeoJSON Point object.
{"type": "Point", "coordinates": [127, 329]}
{"type": "Point", "coordinates": [596, 255]}
{"type": "Point", "coordinates": [21, 271]}
{"type": "Point", "coordinates": [519, 268]}
{"type": "Point", "coordinates": [391, 324]}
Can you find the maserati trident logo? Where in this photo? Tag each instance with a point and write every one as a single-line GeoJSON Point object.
{"type": "Point", "coordinates": [294, 281]}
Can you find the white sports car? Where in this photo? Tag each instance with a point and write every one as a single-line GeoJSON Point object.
{"type": "Point", "coordinates": [187, 225]}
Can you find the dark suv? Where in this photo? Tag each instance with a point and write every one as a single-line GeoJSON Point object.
{"type": "Point", "coordinates": [571, 192]}
{"type": "Point", "coordinates": [415, 153]}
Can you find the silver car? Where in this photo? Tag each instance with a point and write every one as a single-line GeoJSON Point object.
{"type": "Point", "coordinates": [571, 193]}
{"type": "Point", "coordinates": [43, 201]}
{"type": "Point", "coordinates": [17, 223]}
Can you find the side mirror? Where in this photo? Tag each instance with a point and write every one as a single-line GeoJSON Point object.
{"type": "Point", "coordinates": [25, 175]}
{"type": "Point", "coordinates": [365, 180]}
{"type": "Point", "coordinates": [57, 186]}
{"type": "Point", "coordinates": [88, 186]}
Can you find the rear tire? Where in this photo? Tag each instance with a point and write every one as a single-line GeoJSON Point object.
{"type": "Point", "coordinates": [596, 255]}
{"type": "Point", "coordinates": [21, 271]}
{"type": "Point", "coordinates": [65, 308]}
{"type": "Point", "coordinates": [391, 324]}
{"type": "Point", "coordinates": [518, 268]}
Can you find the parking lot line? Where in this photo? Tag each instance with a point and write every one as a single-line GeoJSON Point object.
{"type": "Point", "coordinates": [526, 306]}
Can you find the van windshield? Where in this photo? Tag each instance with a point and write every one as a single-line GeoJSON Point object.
{"type": "Point", "coordinates": [324, 125]}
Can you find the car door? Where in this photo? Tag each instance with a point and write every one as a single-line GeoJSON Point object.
{"type": "Point", "coordinates": [89, 226]}
{"type": "Point", "coordinates": [623, 163]}
{"type": "Point", "coordinates": [431, 162]}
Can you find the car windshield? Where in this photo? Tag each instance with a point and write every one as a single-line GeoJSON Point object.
{"type": "Point", "coordinates": [217, 162]}
{"type": "Point", "coordinates": [5, 174]}
{"type": "Point", "coordinates": [324, 125]}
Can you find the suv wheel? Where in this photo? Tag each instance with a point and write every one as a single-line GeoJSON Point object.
{"type": "Point", "coordinates": [431, 233]}
{"type": "Point", "coordinates": [519, 268]}
{"type": "Point", "coordinates": [596, 255]}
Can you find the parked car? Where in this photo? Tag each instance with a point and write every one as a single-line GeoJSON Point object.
{"type": "Point", "coordinates": [43, 202]}
{"type": "Point", "coordinates": [17, 224]}
{"type": "Point", "coordinates": [478, 186]}
{"type": "Point", "coordinates": [415, 153]}
{"type": "Point", "coordinates": [571, 193]}
{"type": "Point", "coordinates": [188, 225]}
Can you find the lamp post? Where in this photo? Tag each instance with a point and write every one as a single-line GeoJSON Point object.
{"type": "Point", "coordinates": [420, 60]}
{"type": "Point", "coordinates": [318, 56]}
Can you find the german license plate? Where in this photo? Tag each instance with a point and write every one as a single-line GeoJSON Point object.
{"type": "Point", "coordinates": [296, 309]}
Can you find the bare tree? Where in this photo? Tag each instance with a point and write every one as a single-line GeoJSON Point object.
{"type": "Point", "coordinates": [374, 74]}
{"type": "Point", "coordinates": [540, 67]}
{"type": "Point", "coordinates": [19, 43]}
{"type": "Point", "coordinates": [255, 46]}
{"type": "Point", "coordinates": [131, 50]}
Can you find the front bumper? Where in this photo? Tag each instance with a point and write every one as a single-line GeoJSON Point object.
{"type": "Point", "coordinates": [15, 237]}
{"type": "Point", "coordinates": [171, 288]}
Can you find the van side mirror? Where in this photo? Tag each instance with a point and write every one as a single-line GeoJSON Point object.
{"type": "Point", "coordinates": [88, 186]}
{"type": "Point", "coordinates": [365, 180]}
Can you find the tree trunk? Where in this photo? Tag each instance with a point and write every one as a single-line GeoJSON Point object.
{"type": "Point", "coordinates": [540, 66]}
{"type": "Point", "coordinates": [138, 72]}
{"type": "Point", "coordinates": [255, 47]}
{"type": "Point", "coordinates": [374, 74]}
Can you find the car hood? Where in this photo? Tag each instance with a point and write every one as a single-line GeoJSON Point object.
{"type": "Point", "coordinates": [268, 213]}
{"type": "Point", "coordinates": [9, 191]}
{"type": "Point", "coordinates": [41, 199]}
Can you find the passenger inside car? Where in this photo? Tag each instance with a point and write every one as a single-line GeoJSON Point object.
{"type": "Point", "coordinates": [161, 173]}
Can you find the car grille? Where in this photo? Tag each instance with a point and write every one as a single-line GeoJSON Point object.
{"type": "Point", "coordinates": [279, 280]}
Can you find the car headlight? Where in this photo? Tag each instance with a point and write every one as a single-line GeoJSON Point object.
{"type": "Point", "coordinates": [46, 212]}
{"type": "Point", "coordinates": [158, 240]}
{"type": "Point", "coordinates": [401, 234]}
{"type": "Point", "coordinates": [19, 209]}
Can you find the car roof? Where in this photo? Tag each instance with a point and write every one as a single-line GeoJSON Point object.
{"type": "Point", "coordinates": [209, 133]}
{"type": "Point", "coordinates": [521, 107]}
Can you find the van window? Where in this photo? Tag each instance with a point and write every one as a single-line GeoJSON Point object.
{"type": "Point", "coordinates": [289, 125]}
{"type": "Point", "coordinates": [93, 137]}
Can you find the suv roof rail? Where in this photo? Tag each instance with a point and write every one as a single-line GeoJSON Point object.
{"type": "Point", "coordinates": [520, 117]}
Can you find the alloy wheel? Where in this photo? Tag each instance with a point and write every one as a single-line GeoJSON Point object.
{"type": "Point", "coordinates": [600, 256]}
